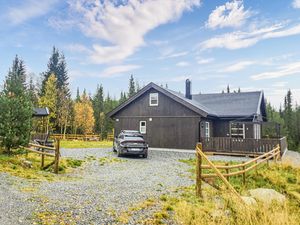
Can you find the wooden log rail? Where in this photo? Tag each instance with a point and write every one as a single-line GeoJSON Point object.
{"type": "Point", "coordinates": [44, 151]}
{"type": "Point", "coordinates": [241, 168]}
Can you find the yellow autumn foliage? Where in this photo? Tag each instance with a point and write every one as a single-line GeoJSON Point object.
{"type": "Point", "coordinates": [84, 115]}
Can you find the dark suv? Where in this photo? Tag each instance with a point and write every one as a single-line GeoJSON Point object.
{"type": "Point", "coordinates": [130, 142]}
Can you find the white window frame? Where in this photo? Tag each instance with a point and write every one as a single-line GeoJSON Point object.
{"type": "Point", "coordinates": [153, 95]}
{"type": "Point", "coordinates": [207, 130]}
{"type": "Point", "coordinates": [239, 134]}
{"type": "Point", "coordinates": [143, 129]}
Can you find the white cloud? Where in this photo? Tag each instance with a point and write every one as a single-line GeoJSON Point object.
{"type": "Point", "coordinates": [240, 39]}
{"type": "Point", "coordinates": [232, 14]}
{"type": "Point", "coordinates": [172, 54]}
{"type": "Point", "coordinates": [296, 4]}
{"type": "Point", "coordinates": [113, 70]}
{"type": "Point", "coordinates": [122, 27]}
{"type": "Point", "coordinates": [182, 64]}
{"type": "Point", "coordinates": [205, 61]}
{"type": "Point", "coordinates": [286, 70]}
{"type": "Point", "coordinates": [28, 9]}
{"type": "Point", "coordinates": [237, 66]}
{"type": "Point", "coordinates": [280, 84]}
{"type": "Point", "coordinates": [77, 48]}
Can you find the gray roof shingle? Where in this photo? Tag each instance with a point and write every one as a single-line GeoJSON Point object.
{"type": "Point", "coordinates": [231, 104]}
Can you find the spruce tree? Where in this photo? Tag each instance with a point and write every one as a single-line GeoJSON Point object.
{"type": "Point", "coordinates": [77, 95]}
{"type": "Point", "coordinates": [131, 90]}
{"type": "Point", "coordinates": [228, 89]}
{"type": "Point", "coordinates": [98, 106]}
{"type": "Point", "coordinates": [16, 108]}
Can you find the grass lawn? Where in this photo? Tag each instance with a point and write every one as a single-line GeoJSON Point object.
{"type": "Point", "coordinates": [85, 144]}
{"type": "Point", "coordinates": [14, 164]}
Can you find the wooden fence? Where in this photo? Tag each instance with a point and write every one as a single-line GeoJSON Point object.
{"type": "Point", "coordinates": [242, 146]}
{"type": "Point", "coordinates": [45, 151]}
{"type": "Point", "coordinates": [87, 137]}
{"type": "Point", "coordinates": [240, 169]}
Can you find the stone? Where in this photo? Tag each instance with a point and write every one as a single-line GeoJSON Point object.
{"type": "Point", "coordinates": [267, 196]}
{"type": "Point", "coordinates": [26, 164]}
{"type": "Point", "coordinates": [249, 200]}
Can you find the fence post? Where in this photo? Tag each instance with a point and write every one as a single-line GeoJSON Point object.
{"type": "Point", "coordinates": [227, 171]}
{"type": "Point", "coordinates": [56, 162]}
{"type": "Point", "coordinates": [198, 170]}
{"type": "Point", "coordinates": [244, 175]}
{"type": "Point", "coordinates": [43, 159]}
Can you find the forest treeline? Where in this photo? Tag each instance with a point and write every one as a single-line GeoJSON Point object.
{"type": "Point", "coordinates": [86, 113]}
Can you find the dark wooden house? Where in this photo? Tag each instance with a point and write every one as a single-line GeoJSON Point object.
{"type": "Point", "coordinates": [169, 119]}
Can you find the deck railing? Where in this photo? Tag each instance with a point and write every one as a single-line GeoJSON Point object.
{"type": "Point", "coordinates": [242, 146]}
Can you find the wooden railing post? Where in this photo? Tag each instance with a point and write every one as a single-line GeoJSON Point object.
{"type": "Point", "coordinates": [244, 174]}
{"type": "Point", "coordinates": [56, 162]}
{"type": "Point", "coordinates": [227, 171]}
{"type": "Point", "coordinates": [198, 170]}
{"type": "Point", "coordinates": [43, 159]}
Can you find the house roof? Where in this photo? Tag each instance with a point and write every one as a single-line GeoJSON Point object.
{"type": "Point", "coordinates": [241, 104]}
{"type": "Point", "coordinates": [222, 105]}
{"type": "Point", "coordinates": [39, 112]}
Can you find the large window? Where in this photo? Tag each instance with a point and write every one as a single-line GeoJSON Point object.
{"type": "Point", "coordinates": [153, 99]}
{"type": "Point", "coordinates": [143, 127]}
{"type": "Point", "coordinates": [237, 130]}
{"type": "Point", "coordinates": [207, 131]}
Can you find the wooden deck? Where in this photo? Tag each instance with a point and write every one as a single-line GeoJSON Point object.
{"type": "Point", "coordinates": [242, 146]}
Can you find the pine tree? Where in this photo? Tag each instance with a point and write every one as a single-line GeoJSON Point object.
{"type": "Point", "coordinates": [49, 100]}
{"type": "Point", "coordinates": [77, 95]}
{"type": "Point", "coordinates": [98, 106]}
{"type": "Point", "coordinates": [137, 85]}
{"type": "Point", "coordinates": [57, 66]}
{"type": "Point", "coordinates": [16, 108]}
{"type": "Point", "coordinates": [239, 90]}
{"type": "Point", "coordinates": [288, 119]}
{"type": "Point", "coordinates": [64, 107]}
{"type": "Point", "coordinates": [228, 89]}
{"type": "Point", "coordinates": [33, 93]}
{"type": "Point", "coordinates": [131, 90]}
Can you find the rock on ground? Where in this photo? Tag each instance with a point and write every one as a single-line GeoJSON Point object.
{"type": "Point", "coordinates": [267, 195]}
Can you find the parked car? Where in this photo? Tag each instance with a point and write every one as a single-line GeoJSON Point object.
{"type": "Point", "coordinates": [130, 142]}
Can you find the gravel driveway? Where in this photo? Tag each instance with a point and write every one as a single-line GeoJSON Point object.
{"type": "Point", "coordinates": [97, 191]}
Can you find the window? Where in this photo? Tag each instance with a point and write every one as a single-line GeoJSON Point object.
{"type": "Point", "coordinates": [257, 133]}
{"type": "Point", "coordinates": [207, 134]}
{"type": "Point", "coordinates": [237, 130]}
{"type": "Point", "coordinates": [153, 99]}
{"type": "Point", "coordinates": [143, 127]}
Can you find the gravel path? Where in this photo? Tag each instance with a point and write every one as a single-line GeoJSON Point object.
{"type": "Point", "coordinates": [97, 192]}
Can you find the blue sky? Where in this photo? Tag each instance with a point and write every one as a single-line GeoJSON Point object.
{"type": "Point", "coordinates": [251, 44]}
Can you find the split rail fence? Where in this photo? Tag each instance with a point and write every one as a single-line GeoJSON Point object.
{"type": "Point", "coordinates": [240, 169]}
{"type": "Point", "coordinates": [42, 150]}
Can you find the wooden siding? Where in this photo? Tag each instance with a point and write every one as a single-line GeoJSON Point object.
{"type": "Point", "coordinates": [167, 107]}
{"type": "Point", "coordinates": [172, 126]}
{"type": "Point", "coordinates": [222, 129]}
{"type": "Point", "coordinates": [180, 133]}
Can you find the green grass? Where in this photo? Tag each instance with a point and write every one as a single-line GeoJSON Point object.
{"type": "Point", "coordinates": [14, 165]}
{"type": "Point", "coordinates": [85, 144]}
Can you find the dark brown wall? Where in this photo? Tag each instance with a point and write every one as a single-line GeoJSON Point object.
{"type": "Point", "coordinates": [221, 129]}
{"type": "Point", "coordinates": [172, 126]}
{"type": "Point", "coordinates": [166, 107]}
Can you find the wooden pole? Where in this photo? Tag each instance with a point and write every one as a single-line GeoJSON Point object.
{"type": "Point", "coordinates": [56, 164]}
{"type": "Point", "coordinates": [198, 171]}
{"type": "Point", "coordinates": [43, 159]}
{"type": "Point", "coordinates": [227, 171]}
{"type": "Point", "coordinates": [244, 175]}
{"type": "Point", "coordinates": [220, 175]}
